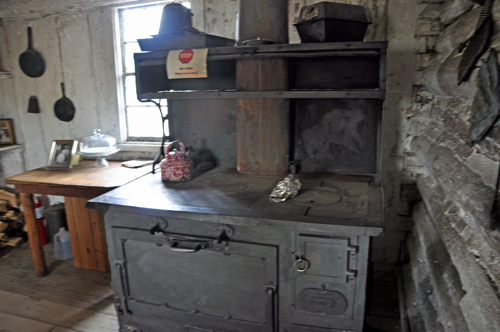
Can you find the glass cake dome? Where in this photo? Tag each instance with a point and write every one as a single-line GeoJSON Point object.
{"type": "Point", "coordinates": [100, 146]}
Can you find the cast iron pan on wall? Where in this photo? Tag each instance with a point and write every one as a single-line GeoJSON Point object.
{"type": "Point", "coordinates": [31, 61]}
{"type": "Point", "coordinates": [64, 108]}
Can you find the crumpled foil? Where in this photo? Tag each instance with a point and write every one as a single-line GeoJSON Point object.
{"type": "Point", "coordinates": [285, 189]}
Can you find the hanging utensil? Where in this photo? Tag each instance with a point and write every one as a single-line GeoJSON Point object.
{"type": "Point", "coordinates": [31, 61]}
{"type": "Point", "coordinates": [33, 105]}
{"type": "Point", "coordinates": [477, 44]}
{"type": "Point", "coordinates": [64, 108]}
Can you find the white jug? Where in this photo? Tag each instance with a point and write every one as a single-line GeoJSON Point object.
{"type": "Point", "coordinates": [62, 245]}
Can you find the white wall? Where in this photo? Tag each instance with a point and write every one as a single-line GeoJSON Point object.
{"type": "Point", "coordinates": [78, 50]}
{"type": "Point", "coordinates": [76, 40]}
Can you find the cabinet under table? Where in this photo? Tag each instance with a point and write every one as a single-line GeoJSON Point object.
{"type": "Point", "coordinates": [214, 254]}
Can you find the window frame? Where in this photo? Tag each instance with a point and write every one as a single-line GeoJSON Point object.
{"type": "Point", "coordinates": [122, 75]}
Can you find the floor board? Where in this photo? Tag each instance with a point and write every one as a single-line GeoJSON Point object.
{"type": "Point", "coordinates": [382, 304]}
{"type": "Point", "coordinates": [68, 299]}
{"type": "Point", "coordinates": [16, 324]}
{"type": "Point", "coordinates": [71, 299]}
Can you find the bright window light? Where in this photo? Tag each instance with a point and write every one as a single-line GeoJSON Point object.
{"type": "Point", "coordinates": [143, 119]}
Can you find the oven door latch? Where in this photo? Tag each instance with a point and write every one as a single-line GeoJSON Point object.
{"type": "Point", "coordinates": [225, 232]}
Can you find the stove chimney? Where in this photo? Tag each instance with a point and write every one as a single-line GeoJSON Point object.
{"type": "Point", "coordinates": [263, 124]}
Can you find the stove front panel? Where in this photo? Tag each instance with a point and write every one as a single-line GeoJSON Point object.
{"type": "Point", "coordinates": [220, 285]}
{"type": "Point", "coordinates": [171, 274]}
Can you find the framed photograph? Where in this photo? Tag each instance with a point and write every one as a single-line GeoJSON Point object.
{"type": "Point", "coordinates": [61, 154]}
{"type": "Point", "coordinates": [7, 132]}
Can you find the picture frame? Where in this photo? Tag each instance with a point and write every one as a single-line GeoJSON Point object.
{"type": "Point", "coordinates": [61, 154]}
{"type": "Point", "coordinates": [7, 132]}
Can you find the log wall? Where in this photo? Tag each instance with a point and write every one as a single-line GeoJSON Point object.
{"type": "Point", "coordinates": [453, 274]}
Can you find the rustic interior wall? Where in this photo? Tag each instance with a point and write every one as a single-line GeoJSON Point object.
{"type": "Point", "coordinates": [401, 60]}
{"type": "Point", "coordinates": [453, 275]}
{"type": "Point", "coordinates": [76, 38]}
{"type": "Point", "coordinates": [78, 50]}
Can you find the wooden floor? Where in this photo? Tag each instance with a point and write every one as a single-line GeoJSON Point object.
{"type": "Point", "coordinates": [68, 299]}
{"type": "Point", "coordinates": [73, 299]}
{"type": "Point", "coordinates": [382, 302]}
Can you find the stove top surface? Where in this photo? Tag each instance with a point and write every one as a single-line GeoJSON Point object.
{"type": "Point", "coordinates": [322, 198]}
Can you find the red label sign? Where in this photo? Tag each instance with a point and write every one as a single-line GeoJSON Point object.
{"type": "Point", "coordinates": [186, 56]}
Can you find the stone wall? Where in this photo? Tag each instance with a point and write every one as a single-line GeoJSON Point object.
{"type": "Point", "coordinates": [452, 278]}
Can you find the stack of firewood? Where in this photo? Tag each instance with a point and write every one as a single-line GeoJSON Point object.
{"type": "Point", "coordinates": [12, 226]}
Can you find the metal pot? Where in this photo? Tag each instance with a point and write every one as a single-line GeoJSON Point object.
{"type": "Point", "coordinates": [175, 19]}
{"type": "Point", "coordinates": [31, 61]}
{"type": "Point", "coordinates": [332, 22]}
{"type": "Point", "coordinates": [64, 108]}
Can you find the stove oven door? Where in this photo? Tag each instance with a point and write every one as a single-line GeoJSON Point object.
{"type": "Point", "coordinates": [194, 283]}
{"type": "Point", "coordinates": [329, 295]}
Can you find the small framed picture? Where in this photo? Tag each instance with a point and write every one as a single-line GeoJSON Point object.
{"type": "Point", "coordinates": [61, 154]}
{"type": "Point", "coordinates": [7, 132]}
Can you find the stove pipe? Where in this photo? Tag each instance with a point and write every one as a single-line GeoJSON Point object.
{"type": "Point", "coordinates": [263, 125]}
{"type": "Point", "coordinates": [264, 19]}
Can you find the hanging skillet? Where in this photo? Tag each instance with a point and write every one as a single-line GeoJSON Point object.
{"type": "Point", "coordinates": [31, 61]}
{"type": "Point", "coordinates": [64, 108]}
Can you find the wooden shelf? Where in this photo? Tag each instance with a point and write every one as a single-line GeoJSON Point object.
{"type": "Point", "coordinates": [9, 147]}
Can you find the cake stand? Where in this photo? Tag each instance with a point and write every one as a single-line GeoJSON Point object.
{"type": "Point", "coordinates": [100, 153]}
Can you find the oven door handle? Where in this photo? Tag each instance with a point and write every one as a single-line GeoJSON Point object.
{"type": "Point", "coordinates": [187, 246]}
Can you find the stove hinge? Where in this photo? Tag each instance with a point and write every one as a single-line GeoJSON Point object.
{"type": "Point", "coordinates": [352, 255]}
{"type": "Point", "coordinates": [272, 309]}
{"type": "Point", "coordinates": [122, 305]}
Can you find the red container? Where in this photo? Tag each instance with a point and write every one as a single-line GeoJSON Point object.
{"type": "Point", "coordinates": [44, 239]}
{"type": "Point", "coordinates": [176, 166]}
{"type": "Point", "coordinates": [40, 219]}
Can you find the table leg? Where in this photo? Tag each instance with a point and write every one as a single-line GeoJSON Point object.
{"type": "Point", "coordinates": [33, 235]}
{"type": "Point", "coordinates": [88, 239]}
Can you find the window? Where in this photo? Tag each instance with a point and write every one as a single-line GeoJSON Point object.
{"type": "Point", "coordinates": [143, 119]}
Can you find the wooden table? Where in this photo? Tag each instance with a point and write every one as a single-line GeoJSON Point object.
{"type": "Point", "coordinates": [77, 185]}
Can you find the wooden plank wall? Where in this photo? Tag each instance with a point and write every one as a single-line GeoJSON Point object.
{"type": "Point", "coordinates": [76, 40]}
{"type": "Point", "coordinates": [78, 50]}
